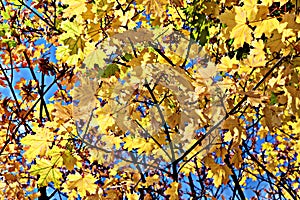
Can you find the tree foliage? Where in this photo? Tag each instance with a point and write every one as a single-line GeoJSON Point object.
{"type": "Point", "coordinates": [85, 113]}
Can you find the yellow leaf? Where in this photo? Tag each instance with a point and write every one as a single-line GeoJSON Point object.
{"type": "Point", "coordinates": [228, 136]}
{"type": "Point", "coordinates": [288, 36]}
{"type": "Point", "coordinates": [150, 180]}
{"type": "Point", "coordinates": [38, 143]}
{"type": "Point", "coordinates": [69, 160]}
{"type": "Point", "coordinates": [147, 148]}
{"type": "Point", "coordinates": [47, 172]}
{"type": "Point", "coordinates": [255, 61]}
{"type": "Point", "coordinates": [88, 14]}
{"type": "Point", "coordinates": [241, 34]}
{"type": "Point", "coordinates": [220, 175]}
{"type": "Point", "coordinates": [64, 112]}
{"type": "Point", "coordinates": [94, 31]}
{"type": "Point", "coordinates": [266, 2]}
{"type": "Point", "coordinates": [258, 47]}
{"type": "Point", "coordinates": [298, 19]}
{"type": "Point", "coordinates": [227, 64]}
{"type": "Point", "coordinates": [266, 26]}
{"type": "Point", "coordinates": [155, 7]}
{"type": "Point", "coordinates": [237, 159]}
{"type": "Point", "coordinates": [228, 18]}
{"type": "Point", "coordinates": [251, 9]}
{"type": "Point", "coordinates": [83, 183]}
{"type": "Point", "coordinates": [55, 154]}
{"type": "Point", "coordinates": [105, 118]}
{"type": "Point", "coordinates": [132, 143]}
{"type": "Point", "coordinates": [96, 58]}
{"type": "Point", "coordinates": [72, 29]}
{"type": "Point", "coordinates": [76, 7]}
{"type": "Point", "coordinates": [132, 196]}
{"type": "Point", "coordinates": [62, 53]}
{"type": "Point", "coordinates": [173, 191]}
{"type": "Point", "coordinates": [241, 15]}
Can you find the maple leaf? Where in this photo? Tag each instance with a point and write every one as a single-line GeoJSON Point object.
{"type": "Point", "coordinates": [38, 143]}
{"type": "Point", "coordinates": [147, 148]}
{"type": "Point", "coordinates": [62, 53]}
{"type": "Point", "coordinates": [132, 143]}
{"type": "Point", "coordinates": [251, 9]}
{"type": "Point", "coordinates": [255, 61]}
{"type": "Point", "coordinates": [76, 7]}
{"type": "Point", "coordinates": [96, 57]}
{"type": "Point", "coordinates": [241, 34]}
{"type": "Point", "coordinates": [86, 95]}
{"type": "Point", "coordinates": [237, 159]}
{"type": "Point", "coordinates": [93, 31]}
{"type": "Point", "coordinates": [63, 112]}
{"type": "Point", "coordinates": [73, 29]}
{"type": "Point", "coordinates": [47, 172]}
{"type": "Point", "coordinates": [256, 33]}
{"type": "Point", "coordinates": [155, 7]}
{"type": "Point", "coordinates": [82, 183]}
{"type": "Point", "coordinates": [105, 118]}
{"type": "Point", "coordinates": [274, 43]}
{"type": "Point", "coordinates": [132, 196]}
{"type": "Point", "coordinates": [172, 191]}
{"type": "Point", "coordinates": [220, 173]}
{"type": "Point", "coordinates": [227, 64]}
{"type": "Point", "coordinates": [271, 120]}
{"type": "Point", "coordinates": [69, 160]}
{"type": "Point", "coordinates": [266, 26]}
{"type": "Point", "coordinates": [228, 18]}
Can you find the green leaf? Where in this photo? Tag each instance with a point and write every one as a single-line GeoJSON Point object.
{"type": "Point", "coordinates": [28, 23]}
{"type": "Point", "coordinates": [128, 57]}
{"type": "Point", "coordinates": [110, 70]}
{"type": "Point", "coordinates": [10, 43]}
{"type": "Point", "coordinates": [5, 15]}
{"type": "Point", "coordinates": [204, 35]}
{"type": "Point", "coordinates": [273, 99]}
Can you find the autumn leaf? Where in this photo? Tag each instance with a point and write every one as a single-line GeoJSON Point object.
{"type": "Point", "coordinates": [38, 144]}
{"type": "Point", "coordinates": [228, 18]}
{"type": "Point", "coordinates": [266, 27]}
{"type": "Point", "coordinates": [227, 64]}
{"type": "Point", "coordinates": [155, 7]}
{"type": "Point", "coordinates": [47, 172]}
{"type": "Point", "coordinates": [172, 191]}
{"type": "Point", "coordinates": [86, 95]}
{"type": "Point", "coordinates": [74, 7]}
{"type": "Point", "coordinates": [84, 184]}
{"type": "Point", "coordinates": [237, 159]}
{"type": "Point", "coordinates": [132, 196]}
{"type": "Point", "coordinates": [241, 34]}
{"type": "Point", "coordinates": [73, 29]}
{"type": "Point", "coordinates": [69, 160]}
{"type": "Point", "coordinates": [219, 172]}
{"type": "Point", "coordinates": [96, 57]}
